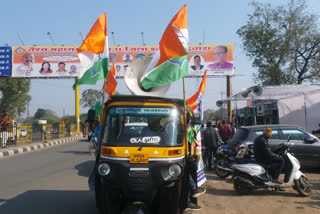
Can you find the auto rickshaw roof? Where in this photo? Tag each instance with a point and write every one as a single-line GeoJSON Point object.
{"type": "Point", "coordinates": [134, 98]}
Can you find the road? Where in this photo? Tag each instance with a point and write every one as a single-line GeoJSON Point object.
{"type": "Point", "coordinates": [54, 181]}
{"type": "Point", "coordinates": [221, 198]}
{"type": "Point", "coordinates": [51, 180]}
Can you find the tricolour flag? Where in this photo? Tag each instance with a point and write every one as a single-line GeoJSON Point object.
{"type": "Point", "coordinates": [111, 82]}
{"type": "Point", "coordinates": [170, 62]}
{"type": "Point", "coordinates": [93, 54]}
{"type": "Point", "coordinates": [195, 100]}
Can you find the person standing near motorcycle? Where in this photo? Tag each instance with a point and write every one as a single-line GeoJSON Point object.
{"type": "Point", "coordinates": [264, 155]}
{"type": "Point", "coordinates": [211, 142]}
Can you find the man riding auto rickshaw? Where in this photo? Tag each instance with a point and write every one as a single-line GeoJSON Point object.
{"type": "Point", "coordinates": [141, 167]}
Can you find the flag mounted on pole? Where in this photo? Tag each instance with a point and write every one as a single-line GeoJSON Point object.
{"type": "Point", "coordinates": [97, 107]}
{"type": "Point", "coordinates": [170, 62]}
{"type": "Point", "coordinates": [195, 100]}
{"type": "Point", "coordinates": [111, 82]}
{"type": "Point", "coordinates": [93, 54]}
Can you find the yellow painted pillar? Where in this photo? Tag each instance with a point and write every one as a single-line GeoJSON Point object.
{"type": "Point", "coordinates": [77, 105]}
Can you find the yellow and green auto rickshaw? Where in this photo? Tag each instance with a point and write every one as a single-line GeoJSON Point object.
{"type": "Point", "coordinates": [141, 167]}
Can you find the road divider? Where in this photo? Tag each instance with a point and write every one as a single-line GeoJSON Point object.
{"type": "Point", "coordinates": [8, 152]}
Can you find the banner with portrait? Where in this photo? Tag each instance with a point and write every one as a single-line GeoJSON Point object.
{"type": "Point", "coordinates": [63, 61]}
{"type": "Point", "coordinates": [216, 59]}
{"type": "Point", "coordinates": [45, 61]}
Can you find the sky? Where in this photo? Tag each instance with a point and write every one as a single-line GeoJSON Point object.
{"type": "Point", "coordinates": [209, 22]}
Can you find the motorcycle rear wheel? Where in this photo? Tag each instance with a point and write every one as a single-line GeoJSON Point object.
{"type": "Point", "coordinates": [220, 172]}
{"type": "Point", "coordinates": [240, 188]}
{"type": "Point", "coordinates": [303, 186]}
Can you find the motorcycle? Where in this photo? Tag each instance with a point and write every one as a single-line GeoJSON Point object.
{"type": "Point", "coordinates": [90, 134]}
{"type": "Point", "coordinates": [251, 176]}
{"type": "Point", "coordinates": [225, 157]}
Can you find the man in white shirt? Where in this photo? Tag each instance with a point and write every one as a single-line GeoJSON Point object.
{"type": "Point", "coordinates": [26, 67]}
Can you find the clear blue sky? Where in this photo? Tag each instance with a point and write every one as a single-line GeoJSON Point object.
{"type": "Point", "coordinates": [218, 21]}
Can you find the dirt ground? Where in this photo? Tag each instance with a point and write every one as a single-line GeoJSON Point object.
{"type": "Point", "coordinates": [221, 198]}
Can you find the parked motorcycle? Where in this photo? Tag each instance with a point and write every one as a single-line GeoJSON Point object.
{"type": "Point", "coordinates": [225, 157]}
{"type": "Point", "coordinates": [251, 176]}
{"type": "Point", "coordinates": [90, 134]}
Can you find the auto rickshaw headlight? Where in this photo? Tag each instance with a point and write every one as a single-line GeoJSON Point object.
{"type": "Point", "coordinates": [174, 170]}
{"type": "Point", "coordinates": [104, 169]}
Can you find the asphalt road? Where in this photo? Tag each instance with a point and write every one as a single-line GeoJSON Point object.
{"type": "Point", "coordinates": [51, 180]}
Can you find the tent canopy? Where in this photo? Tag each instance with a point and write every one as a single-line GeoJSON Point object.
{"type": "Point", "coordinates": [278, 92]}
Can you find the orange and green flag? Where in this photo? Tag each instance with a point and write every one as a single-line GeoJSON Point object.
{"type": "Point", "coordinates": [195, 100]}
{"type": "Point", "coordinates": [111, 82]}
{"type": "Point", "coordinates": [170, 62]}
{"type": "Point", "coordinates": [93, 54]}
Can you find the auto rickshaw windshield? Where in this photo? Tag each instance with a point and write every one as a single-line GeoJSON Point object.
{"type": "Point", "coordinates": [147, 126]}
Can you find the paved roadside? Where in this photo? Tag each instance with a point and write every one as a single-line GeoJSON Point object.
{"type": "Point", "coordinates": [22, 148]}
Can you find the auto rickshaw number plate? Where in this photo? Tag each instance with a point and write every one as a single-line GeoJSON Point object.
{"type": "Point", "coordinates": [139, 158]}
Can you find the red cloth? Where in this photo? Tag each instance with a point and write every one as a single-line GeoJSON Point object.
{"type": "Point", "coordinates": [225, 132]}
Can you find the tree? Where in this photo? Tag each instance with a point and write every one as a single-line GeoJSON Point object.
{"type": "Point", "coordinates": [44, 114]}
{"type": "Point", "coordinates": [90, 97]}
{"type": "Point", "coordinates": [14, 96]}
{"type": "Point", "coordinates": [283, 43]}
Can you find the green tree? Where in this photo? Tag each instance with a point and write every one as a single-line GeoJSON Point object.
{"type": "Point", "coordinates": [44, 114]}
{"type": "Point", "coordinates": [14, 96]}
{"type": "Point", "coordinates": [90, 97]}
{"type": "Point", "coordinates": [283, 43]}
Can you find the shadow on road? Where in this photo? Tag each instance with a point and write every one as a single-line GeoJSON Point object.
{"type": "Point", "coordinates": [314, 202]}
{"type": "Point", "coordinates": [77, 152]}
{"type": "Point", "coordinates": [83, 140]}
{"type": "Point", "coordinates": [50, 202]}
{"type": "Point", "coordinates": [85, 168]}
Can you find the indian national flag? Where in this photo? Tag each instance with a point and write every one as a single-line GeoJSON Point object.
{"type": "Point", "coordinates": [93, 54]}
{"type": "Point", "coordinates": [195, 100]}
{"type": "Point", "coordinates": [170, 62]}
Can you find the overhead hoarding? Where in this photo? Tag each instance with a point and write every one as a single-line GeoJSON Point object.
{"type": "Point", "coordinates": [5, 61]}
{"type": "Point", "coordinates": [45, 61]}
{"type": "Point", "coordinates": [63, 61]}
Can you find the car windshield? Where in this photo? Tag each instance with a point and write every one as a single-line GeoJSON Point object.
{"type": "Point", "coordinates": [241, 134]}
{"type": "Point", "coordinates": [147, 126]}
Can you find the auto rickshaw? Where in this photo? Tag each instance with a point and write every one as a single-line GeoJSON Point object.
{"type": "Point", "coordinates": [141, 166]}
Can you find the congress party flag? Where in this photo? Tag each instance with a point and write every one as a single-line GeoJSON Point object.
{"type": "Point", "coordinates": [195, 100]}
{"type": "Point", "coordinates": [93, 54]}
{"type": "Point", "coordinates": [97, 107]}
{"type": "Point", "coordinates": [170, 62]}
{"type": "Point", "coordinates": [111, 82]}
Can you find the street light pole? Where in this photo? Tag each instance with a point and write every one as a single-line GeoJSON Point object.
{"type": "Point", "coordinates": [254, 110]}
{"type": "Point", "coordinates": [51, 38]}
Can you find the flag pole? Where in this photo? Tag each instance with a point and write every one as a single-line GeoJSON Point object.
{"type": "Point", "coordinates": [77, 106]}
{"type": "Point", "coordinates": [103, 92]}
{"type": "Point", "coordinates": [185, 114]}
